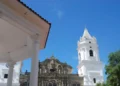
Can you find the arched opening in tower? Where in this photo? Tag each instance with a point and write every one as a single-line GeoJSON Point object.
{"type": "Point", "coordinates": [91, 52]}
{"type": "Point", "coordinates": [94, 80]}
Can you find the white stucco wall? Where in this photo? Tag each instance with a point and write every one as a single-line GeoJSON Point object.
{"type": "Point", "coordinates": [90, 67]}
{"type": "Point", "coordinates": [4, 70]}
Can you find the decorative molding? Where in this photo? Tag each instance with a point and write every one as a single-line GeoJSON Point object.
{"type": "Point", "coordinates": [35, 38]}
{"type": "Point", "coordinates": [11, 64]}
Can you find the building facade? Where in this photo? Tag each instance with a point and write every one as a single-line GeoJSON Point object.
{"type": "Point", "coordinates": [90, 67]}
{"type": "Point", "coordinates": [52, 72]}
{"type": "Point", "coordinates": [4, 74]}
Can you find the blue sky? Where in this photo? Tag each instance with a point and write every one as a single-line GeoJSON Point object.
{"type": "Point", "coordinates": [69, 18]}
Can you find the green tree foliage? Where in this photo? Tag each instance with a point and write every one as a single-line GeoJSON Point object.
{"type": "Point", "coordinates": [101, 84]}
{"type": "Point", "coordinates": [113, 69]}
{"type": "Point", "coordinates": [98, 84]}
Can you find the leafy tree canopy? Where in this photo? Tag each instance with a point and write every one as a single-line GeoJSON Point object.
{"type": "Point", "coordinates": [113, 69]}
{"type": "Point", "coordinates": [101, 84]}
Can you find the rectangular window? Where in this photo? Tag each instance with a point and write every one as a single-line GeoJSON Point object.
{"type": "Point", "coordinates": [5, 75]}
{"type": "Point", "coordinates": [94, 80]}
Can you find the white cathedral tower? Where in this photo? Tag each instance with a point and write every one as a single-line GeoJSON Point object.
{"type": "Point", "coordinates": [90, 67]}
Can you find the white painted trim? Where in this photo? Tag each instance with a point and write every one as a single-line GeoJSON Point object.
{"type": "Point", "coordinates": [18, 21]}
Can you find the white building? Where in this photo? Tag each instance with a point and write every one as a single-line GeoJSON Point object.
{"type": "Point", "coordinates": [90, 66]}
{"type": "Point", "coordinates": [23, 34]}
{"type": "Point", "coordinates": [4, 74]}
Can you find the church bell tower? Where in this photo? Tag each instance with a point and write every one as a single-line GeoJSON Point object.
{"type": "Point", "coordinates": [90, 67]}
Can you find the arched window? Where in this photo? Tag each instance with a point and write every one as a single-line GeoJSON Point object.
{"type": "Point", "coordinates": [94, 80]}
{"type": "Point", "coordinates": [50, 84]}
{"type": "Point", "coordinates": [54, 84]}
{"type": "Point", "coordinates": [91, 52]}
{"type": "Point", "coordinates": [65, 70]}
{"type": "Point", "coordinates": [59, 69]}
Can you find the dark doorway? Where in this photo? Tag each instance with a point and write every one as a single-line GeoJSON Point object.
{"type": "Point", "coordinates": [54, 84]}
{"type": "Point", "coordinates": [50, 84]}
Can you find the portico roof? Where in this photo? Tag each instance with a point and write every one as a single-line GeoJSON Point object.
{"type": "Point", "coordinates": [23, 10]}
{"type": "Point", "coordinates": [18, 23]}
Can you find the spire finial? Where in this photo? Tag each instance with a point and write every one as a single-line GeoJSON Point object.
{"type": "Point", "coordinates": [52, 55]}
{"type": "Point", "coordinates": [86, 33]}
{"type": "Point", "coordinates": [85, 27]}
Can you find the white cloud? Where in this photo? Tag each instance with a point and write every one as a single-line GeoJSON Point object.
{"type": "Point", "coordinates": [57, 9]}
{"type": "Point", "coordinates": [60, 14]}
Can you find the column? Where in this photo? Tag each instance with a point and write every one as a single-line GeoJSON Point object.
{"type": "Point", "coordinates": [86, 54]}
{"type": "Point", "coordinates": [62, 83]}
{"type": "Point", "coordinates": [42, 83]}
{"type": "Point", "coordinates": [10, 74]}
{"type": "Point", "coordinates": [34, 61]}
